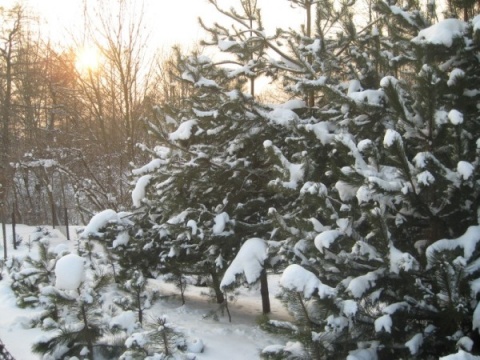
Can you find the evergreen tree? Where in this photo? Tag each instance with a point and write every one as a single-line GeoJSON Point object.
{"type": "Point", "coordinates": [244, 41]}
{"type": "Point", "coordinates": [161, 340]}
{"type": "Point", "coordinates": [385, 219]}
{"type": "Point", "coordinates": [75, 317]}
{"type": "Point", "coordinates": [137, 297]}
{"type": "Point", "coordinates": [204, 192]}
{"type": "Point", "coordinates": [34, 274]}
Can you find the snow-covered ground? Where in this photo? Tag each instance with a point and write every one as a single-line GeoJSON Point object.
{"type": "Point", "coordinates": [241, 339]}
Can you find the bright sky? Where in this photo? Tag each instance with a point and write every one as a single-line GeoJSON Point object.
{"type": "Point", "coordinates": [171, 21]}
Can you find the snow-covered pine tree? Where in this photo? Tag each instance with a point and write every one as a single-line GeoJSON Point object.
{"type": "Point", "coordinates": [80, 321]}
{"type": "Point", "coordinates": [393, 209]}
{"type": "Point", "coordinates": [34, 274]}
{"type": "Point", "coordinates": [204, 192]}
{"type": "Point", "coordinates": [136, 297]}
{"type": "Point", "coordinates": [161, 340]}
{"type": "Point", "coordinates": [243, 44]}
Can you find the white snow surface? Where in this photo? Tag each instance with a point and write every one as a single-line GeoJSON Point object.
{"type": "Point", "coordinates": [151, 166]}
{"type": "Point", "coordinates": [242, 339]}
{"type": "Point", "coordinates": [401, 261]}
{"type": "Point", "coordinates": [461, 355]}
{"type": "Point", "coordinates": [371, 97]}
{"type": "Point", "coordinates": [249, 262]}
{"type": "Point", "coordinates": [465, 343]}
{"type": "Point", "coordinates": [359, 285]}
{"type": "Point", "coordinates": [69, 272]}
{"type": "Point", "coordinates": [391, 136]}
{"type": "Point", "coordinates": [122, 239]}
{"type": "Point", "coordinates": [125, 320]}
{"type": "Point", "coordinates": [349, 307]}
{"type": "Point", "coordinates": [225, 45]}
{"type": "Point", "coordinates": [363, 354]}
{"type": "Point", "coordinates": [455, 74]}
{"type": "Point", "coordinates": [295, 171]}
{"type": "Point", "coordinates": [442, 33]}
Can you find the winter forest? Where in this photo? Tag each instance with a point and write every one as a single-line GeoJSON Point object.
{"type": "Point", "coordinates": [352, 177]}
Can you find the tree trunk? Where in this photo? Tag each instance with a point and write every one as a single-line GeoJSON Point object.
{"type": "Point", "coordinates": [216, 287]}
{"type": "Point", "coordinates": [264, 291]}
{"type": "Point", "coordinates": [140, 308]}
{"type": "Point", "coordinates": [85, 323]}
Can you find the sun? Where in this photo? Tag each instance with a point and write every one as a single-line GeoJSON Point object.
{"type": "Point", "coordinates": [87, 59]}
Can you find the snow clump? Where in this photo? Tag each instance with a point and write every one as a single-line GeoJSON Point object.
{"type": "Point", "coordinates": [298, 279]}
{"type": "Point", "coordinates": [69, 272]}
{"type": "Point", "coordinates": [249, 261]}
{"type": "Point", "coordinates": [138, 194]}
{"type": "Point", "coordinates": [455, 117]}
{"type": "Point", "coordinates": [442, 33]}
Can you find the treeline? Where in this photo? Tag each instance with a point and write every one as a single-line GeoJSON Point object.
{"type": "Point", "coordinates": [68, 134]}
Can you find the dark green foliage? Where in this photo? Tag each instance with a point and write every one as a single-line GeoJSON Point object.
{"type": "Point", "coordinates": [207, 192]}
{"type": "Point", "coordinates": [399, 164]}
{"type": "Point", "coordinates": [33, 275]}
{"type": "Point", "coordinates": [137, 297]}
{"type": "Point", "coordinates": [159, 338]}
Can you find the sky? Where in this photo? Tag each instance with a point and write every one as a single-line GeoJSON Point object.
{"type": "Point", "coordinates": [171, 21]}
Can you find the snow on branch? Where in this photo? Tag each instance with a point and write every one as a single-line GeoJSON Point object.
{"type": "Point", "coordinates": [138, 194]}
{"type": "Point", "coordinates": [150, 167]}
{"type": "Point", "coordinates": [401, 261]}
{"type": "Point", "coordinates": [468, 242]}
{"type": "Point", "coordinates": [101, 220]}
{"type": "Point", "coordinates": [442, 33]}
{"type": "Point", "coordinates": [185, 131]}
{"type": "Point", "coordinates": [359, 285]}
{"type": "Point", "coordinates": [296, 278]}
{"type": "Point", "coordinates": [220, 223]}
{"type": "Point", "coordinates": [296, 172]}
{"type": "Point", "coordinates": [384, 322]}
{"type": "Point", "coordinates": [326, 238]}
{"type": "Point", "coordinates": [248, 262]}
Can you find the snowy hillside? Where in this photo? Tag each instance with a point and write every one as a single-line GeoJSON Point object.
{"type": "Point", "coordinates": [240, 339]}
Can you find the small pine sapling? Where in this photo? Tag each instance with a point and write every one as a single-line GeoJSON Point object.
{"type": "Point", "coordinates": [80, 324]}
{"type": "Point", "coordinates": [160, 338]}
{"type": "Point", "coordinates": [34, 274]}
{"type": "Point", "coordinates": [138, 297]}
